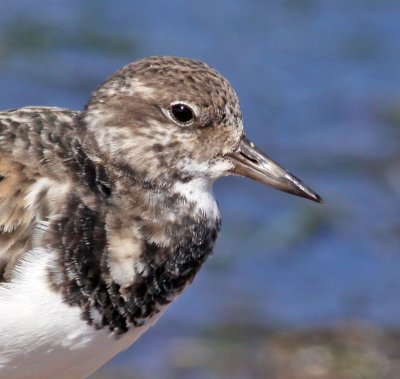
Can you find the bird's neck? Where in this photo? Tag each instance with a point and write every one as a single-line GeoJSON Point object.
{"type": "Point", "coordinates": [128, 251]}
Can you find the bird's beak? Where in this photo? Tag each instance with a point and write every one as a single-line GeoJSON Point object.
{"type": "Point", "coordinates": [249, 161]}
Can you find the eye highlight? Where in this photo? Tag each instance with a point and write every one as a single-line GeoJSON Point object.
{"type": "Point", "coordinates": [181, 113]}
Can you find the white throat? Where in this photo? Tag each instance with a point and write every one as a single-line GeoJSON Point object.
{"type": "Point", "coordinates": [199, 192]}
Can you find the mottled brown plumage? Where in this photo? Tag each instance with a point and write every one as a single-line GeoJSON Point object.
{"type": "Point", "coordinates": [33, 145]}
{"type": "Point", "coordinates": [99, 188]}
{"type": "Point", "coordinates": [114, 130]}
{"type": "Point", "coordinates": [110, 210]}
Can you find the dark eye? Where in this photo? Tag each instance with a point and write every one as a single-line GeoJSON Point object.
{"type": "Point", "coordinates": [182, 113]}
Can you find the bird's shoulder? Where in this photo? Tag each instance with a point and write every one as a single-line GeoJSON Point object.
{"type": "Point", "coordinates": [34, 144]}
{"type": "Point", "coordinates": [29, 135]}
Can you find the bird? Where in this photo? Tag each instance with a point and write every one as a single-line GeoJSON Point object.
{"type": "Point", "coordinates": [107, 214]}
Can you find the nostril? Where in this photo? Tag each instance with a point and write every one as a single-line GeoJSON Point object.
{"type": "Point", "coordinates": [250, 158]}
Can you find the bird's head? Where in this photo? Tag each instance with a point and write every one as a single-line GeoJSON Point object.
{"type": "Point", "coordinates": [174, 119]}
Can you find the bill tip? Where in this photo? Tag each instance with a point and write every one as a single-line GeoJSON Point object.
{"type": "Point", "coordinates": [318, 199]}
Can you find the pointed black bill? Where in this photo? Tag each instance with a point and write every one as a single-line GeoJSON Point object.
{"type": "Point", "coordinates": [251, 162]}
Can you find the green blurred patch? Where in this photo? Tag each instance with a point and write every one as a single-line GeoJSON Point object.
{"type": "Point", "coordinates": [362, 46]}
{"type": "Point", "coordinates": [303, 5]}
{"type": "Point", "coordinates": [27, 35]}
{"type": "Point", "coordinates": [351, 351]}
{"type": "Point", "coordinates": [293, 228]}
{"type": "Point", "coordinates": [390, 114]}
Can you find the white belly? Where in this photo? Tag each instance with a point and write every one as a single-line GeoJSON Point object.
{"type": "Point", "coordinates": [43, 338]}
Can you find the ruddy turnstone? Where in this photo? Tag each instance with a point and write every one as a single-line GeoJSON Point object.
{"type": "Point", "coordinates": [106, 215]}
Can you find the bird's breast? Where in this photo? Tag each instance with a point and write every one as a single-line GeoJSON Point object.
{"type": "Point", "coordinates": [121, 267]}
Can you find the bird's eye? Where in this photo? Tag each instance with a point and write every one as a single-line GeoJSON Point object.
{"type": "Point", "coordinates": [181, 113]}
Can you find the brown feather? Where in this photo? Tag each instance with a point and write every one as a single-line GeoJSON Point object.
{"type": "Point", "coordinates": [16, 219]}
{"type": "Point", "coordinates": [26, 140]}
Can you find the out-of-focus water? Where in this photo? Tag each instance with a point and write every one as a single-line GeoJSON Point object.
{"type": "Point", "coordinates": [319, 83]}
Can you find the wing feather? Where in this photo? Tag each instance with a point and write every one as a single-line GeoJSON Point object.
{"type": "Point", "coordinates": [30, 189]}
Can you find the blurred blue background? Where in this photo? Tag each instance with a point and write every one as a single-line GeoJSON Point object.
{"type": "Point", "coordinates": [294, 290]}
